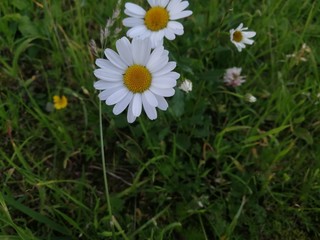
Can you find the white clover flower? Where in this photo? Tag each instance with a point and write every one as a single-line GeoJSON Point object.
{"type": "Point", "coordinates": [186, 86]}
{"type": "Point", "coordinates": [158, 21]}
{"type": "Point", "coordinates": [233, 78]}
{"type": "Point", "coordinates": [136, 77]}
{"type": "Point", "coordinates": [239, 37]}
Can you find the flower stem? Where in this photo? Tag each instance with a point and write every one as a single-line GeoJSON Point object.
{"type": "Point", "coordinates": [104, 169]}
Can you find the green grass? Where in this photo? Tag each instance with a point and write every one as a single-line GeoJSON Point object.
{"type": "Point", "coordinates": [213, 166]}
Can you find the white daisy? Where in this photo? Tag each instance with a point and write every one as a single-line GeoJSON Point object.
{"type": "Point", "coordinates": [136, 77]}
{"type": "Point", "coordinates": [157, 22]}
{"type": "Point", "coordinates": [239, 37]}
{"type": "Point", "coordinates": [233, 78]}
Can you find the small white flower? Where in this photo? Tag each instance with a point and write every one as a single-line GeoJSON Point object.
{"type": "Point", "coordinates": [239, 37]}
{"type": "Point", "coordinates": [250, 98]}
{"type": "Point", "coordinates": [233, 77]}
{"type": "Point", "coordinates": [186, 86]}
{"type": "Point", "coordinates": [157, 22]}
{"type": "Point", "coordinates": [136, 77]}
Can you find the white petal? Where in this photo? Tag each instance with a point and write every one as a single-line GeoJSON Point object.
{"type": "Point", "coordinates": [239, 27]}
{"type": "Point", "coordinates": [107, 65]}
{"type": "Point", "coordinates": [117, 96]}
{"type": "Point", "coordinates": [152, 3]}
{"type": "Point", "coordinates": [137, 31]}
{"type": "Point", "coordinates": [124, 49]}
{"type": "Point", "coordinates": [149, 96]}
{"type": "Point", "coordinates": [102, 85]}
{"type": "Point", "coordinates": [166, 69]}
{"type": "Point", "coordinates": [165, 92]}
{"type": "Point", "coordinates": [154, 56]}
{"type": "Point", "coordinates": [130, 117]}
{"type": "Point", "coordinates": [247, 41]}
{"type": "Point", "coordinates": [156, 38]}
{"type": "Point", "coordinates": [173, 4]}
{"type": "Point", "coordinates": [115, 59]}
{"type": "Point", "coordinates": [163, 3]}
{"type": "Point", "coordinates": [249, 34]}
{"type": "Point", "coordinates": [169, 34]}
{"type": "Point", "coordinates": [164, 83]}
{"type": "Point", "coordinates": [136, 104]}
{"type": "Point", "coordinates": [108, 92]}
{"type": "Point", "coordinates": [181, 6]}
{"type": "Point", "coordinates": [176, 27]}
{"type": "Point", "coordinates": [141, 51]}
{"type": "Point", "coordinates": [150, 110]}
{"type": "Point", "coordinates": [170, 75]}
{"type": "Point", "coordinates": [132, 14]}
{"type": "Point", "coordinates": [161, 62]}
{"type": "Point", "coordinates": [132, 22]}
{"type": "Point", "coordinates": [134, 8]}
{"type": "Point", "coordinates": [121, 106]}
{"type": "Point", "coordinates": [107, 76]}
{"type": "Point", "coordinates": [180, 15]}
{"type": "Point", "coordinates": [162, 103]}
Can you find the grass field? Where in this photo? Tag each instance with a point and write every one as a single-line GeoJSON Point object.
{"type": "Point", "coordinates": [213, 166]}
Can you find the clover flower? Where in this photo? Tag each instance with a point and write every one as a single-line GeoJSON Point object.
{"type": "Point", "coordinates": [233, 78]}
{"type": "Point", "coordinates": [239, 37]}
{"type": "Point", "coordinates": [60, 102]}
{"type": "Point", "coordinates": [158, 21]}
{"type": "Point", "coordinates": [136, 77]}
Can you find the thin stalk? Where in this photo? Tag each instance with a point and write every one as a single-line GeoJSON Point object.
{"type": "Point", "coordinates": [104, 169]}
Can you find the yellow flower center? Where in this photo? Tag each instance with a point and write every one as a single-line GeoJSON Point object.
{"type": "Point", "coordinates": [237, 36]}
{"type": "Point", "coordinates": [156, 18]}
{"type": "Point", "coordinates": [137, 78]}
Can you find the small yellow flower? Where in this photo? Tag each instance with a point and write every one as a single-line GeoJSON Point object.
{"type": "Point", "coordinates": [60, 102]}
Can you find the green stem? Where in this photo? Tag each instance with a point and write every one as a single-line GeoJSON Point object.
{"type": "Point", "coordinates": [104, 169]}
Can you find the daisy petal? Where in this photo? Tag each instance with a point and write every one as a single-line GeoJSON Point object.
{"type": "Point", "coordinates": [134, 8]}
{"type": "Point", "coordinates": [155, 55]}
{"type": "Point", "coordinates": [166, 69]}
{"type": "Point", "coordinates": [141, 51]}
{"type": "Point", "coordinates": [136, 105]}
{"type": "Point", "coordinates": [124, 49]}
{"type": "Point", "coordinates": [130, 117]}
{"type": "Point", "coordinates": [249, 34]}
{"type": "Point", "coordinates": [180, 15]}
{"type": "Point", "coordinates": [121, 106]}
{"type": "Point", "coordinates": [107, 76]}
{"type": "Point", "coordinates": [101, 85]}
{"type": "Point", "coordinates": [108, 92]}
{"type": "Point", "coordinates": [117, 96]}
{"type": "Point", "coordinates": [149, 96]}
{"type": "Point", "coordinates": [132, 22]}
{"type": "Point", "coordinates": [165, 92]}
{"type": "Point", "coordinates": [107, 65]}
{"type": "Point", "coordinates": [150, 110]}
{"type": "Point", "coordinates": [115, 59]}
{"type": "Point", "coordinates": [182, 6]}
{"type": "Point", "coordinates": [162, 103]}
{"type": "Point", "coordinates": [136, 31]}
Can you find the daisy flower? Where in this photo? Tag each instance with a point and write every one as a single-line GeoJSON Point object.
{"type": "Point", "coordinates": [157, 22]}
{"type": "Point", "coordinates": [233, 78]}
{"type": "Point", "coordinates": [239, 37]}
{"type": "Point", "coordinates": [60, 102]}
{"type": "Point", "coordinates": [136, 77]}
